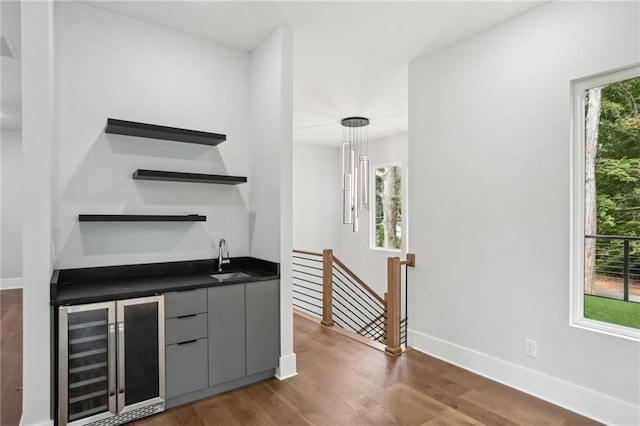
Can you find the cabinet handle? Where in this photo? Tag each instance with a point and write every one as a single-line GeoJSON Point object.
{"type": "Point", "coordinates": [187, 342]}
{"type": "Point", "coordinates": [121, 357]}
{"type": "Point", "coordinates": [112, 359]}
{"type": "Point", "coordinates": [186, 316]}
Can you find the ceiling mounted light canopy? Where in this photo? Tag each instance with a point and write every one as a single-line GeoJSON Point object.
{"type": "Point", "coordinates": [355, 169]}
{"type": "Point", "coordinates": [355, 122]}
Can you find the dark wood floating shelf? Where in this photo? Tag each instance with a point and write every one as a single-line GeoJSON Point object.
{"type": "Point", "coordinates": [133, 128]}
{"type": "Point", "coordinates": [187, 177]}
{"type": "Point", "coordinates": [140, 218]}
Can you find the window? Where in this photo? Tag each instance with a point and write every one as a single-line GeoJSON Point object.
{"type": "Point", "coordinates": [606, 203]}
{"type": "Point", "coordinates": [387, 220]}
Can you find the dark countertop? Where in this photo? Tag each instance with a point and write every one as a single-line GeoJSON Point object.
{"type": "Point", "coordinates": [104, 283]}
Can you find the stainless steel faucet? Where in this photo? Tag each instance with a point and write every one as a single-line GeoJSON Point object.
{"type": "Point", "coordinates": [223, 254]}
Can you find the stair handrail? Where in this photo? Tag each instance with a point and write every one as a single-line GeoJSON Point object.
{"type": "Point", "coordinates": [311, 253]}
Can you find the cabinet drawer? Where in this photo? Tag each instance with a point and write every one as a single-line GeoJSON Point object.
{"type": "Point", "coordinates": [181, 329]}
{"type": "Point", "coordinates": [186, 367]}
{"type": "Point", "coordinates": [178, 303]}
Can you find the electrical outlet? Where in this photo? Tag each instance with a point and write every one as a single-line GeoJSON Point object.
{"type": "Point", "coordinates": [531, 347]}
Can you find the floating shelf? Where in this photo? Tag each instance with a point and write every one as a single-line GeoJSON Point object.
{"type": "Point", "coordinates": [132, 128]}
{"type": "Point", "coordinates": [187, 177]}
{"type": "Point", "coordinates": [140, 218]}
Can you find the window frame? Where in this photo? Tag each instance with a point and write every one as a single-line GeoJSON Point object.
{"type": "Point", "coordinates": [372, 218]}
{"type": "Point", "coordinates": [579, 88]}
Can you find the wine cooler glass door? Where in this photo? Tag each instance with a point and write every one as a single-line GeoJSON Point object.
{"type": "Point", "coordinates": [141, 352]}
{"type": "Point", "coordinates": [87, 363]}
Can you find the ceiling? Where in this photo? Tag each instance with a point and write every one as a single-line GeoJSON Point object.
{"type": "Point", "coordinates": [350, 58]}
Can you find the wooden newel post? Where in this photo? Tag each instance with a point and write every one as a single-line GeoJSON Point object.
{"type": "Point", "coordinates": [393, 307]}
{"type": "Point", "coordinates": [327, 287]}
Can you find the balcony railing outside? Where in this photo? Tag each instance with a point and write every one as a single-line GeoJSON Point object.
{"type": "Point", "coordinates": [618, 262]}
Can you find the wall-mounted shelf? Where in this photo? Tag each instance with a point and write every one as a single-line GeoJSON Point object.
{"type": "Point", "coordinates": [140, 218]}
{"type": "Point", "coordinates": [133, 128]}
{"type": "Point", "coordinates": [187, 177]}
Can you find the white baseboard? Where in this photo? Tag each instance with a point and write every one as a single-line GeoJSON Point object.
{"type": "Point", "coordinates": [9, 283]}
{"type": "Point", "coordinates": [47, 423]}
{"type": "Point", "coordinates": [576, 398]}
{"type": "Point", "coordinates": [287, 367]}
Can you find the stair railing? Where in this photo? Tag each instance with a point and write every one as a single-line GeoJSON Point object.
{"type": "Point", "coordinates": [326, 288]}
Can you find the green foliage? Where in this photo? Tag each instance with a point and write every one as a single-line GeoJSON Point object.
{"type": "Point", "coordinates": [379, 236]}
{"type": "Point", "coordinates": [617, 172]}
{"type": "Point", "coordinates": [612, 311]}
{"type": "Point", "coordinates": [379, 210]}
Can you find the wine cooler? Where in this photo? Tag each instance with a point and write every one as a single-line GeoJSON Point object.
{"type": "Point", "coordinates": [111, 361]}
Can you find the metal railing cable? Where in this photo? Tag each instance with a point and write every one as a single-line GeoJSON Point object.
{"type": "Point", "coordinates": [371, 308]}
{"type": "Point", "coordinates": [405, 321]}
{"type": "Point", "coordinates": [307, 283]}
{"type": "Point", "coordinates": [367, 314]}
{"type": "Point", "coordinates": [617, 262]}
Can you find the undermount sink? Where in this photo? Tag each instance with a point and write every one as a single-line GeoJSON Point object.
{"type": "Point", "coordinates": [223, 276]}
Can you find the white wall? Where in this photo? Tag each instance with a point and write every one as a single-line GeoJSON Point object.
{"type": "Point", "coordinates": [11, 152]}
{"type": "Point", "coordinates": [37, 141]}
{"type": "Point", "coordinates": [270, 172]}
{"type": "Point", "coordinates": [489, 150]}
{"type": "Point", "coordinates": [317, 211]}
{"type": "Point", "coordinates": [266, 137]}
{"type": "Point", "coordinates": [11, 204]}
{"type": "Point", "coordinates": [108, 65]}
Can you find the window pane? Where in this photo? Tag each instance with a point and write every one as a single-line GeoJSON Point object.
{"type": "Point", "coordinates": [612, 203]}
{"type": "Point", "coordinates": [388, 210]}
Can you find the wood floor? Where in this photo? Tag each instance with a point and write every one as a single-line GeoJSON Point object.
{"type": "Point", "coordinates": [339, 382]}
{"type": "Point", "coordinates": [10, 357]}
{"type": "Point", "coordinates": [343, 382]}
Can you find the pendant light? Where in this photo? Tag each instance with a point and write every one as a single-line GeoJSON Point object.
{"type": "Point", "coordinates": [355, 169]}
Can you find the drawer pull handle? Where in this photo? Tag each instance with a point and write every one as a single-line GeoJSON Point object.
{"type": "Point", "coordinates": [187, 342]}
{"type": "Point", "coordinates": [186, 316]}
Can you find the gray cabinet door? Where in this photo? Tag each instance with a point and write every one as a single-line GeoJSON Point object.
{"type": "Point", "coordinates": [186, 365]}
{"type": "Point", "coordinates": [226, 333]}
{"type": "Point", "coordinates": [263, 325]}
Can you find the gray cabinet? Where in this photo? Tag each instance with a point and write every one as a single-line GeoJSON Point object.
{"type": "Point", "coordinates": [262, 304]}
{"type": "Point", "coordinates": [220, 338]}
{"type": "Point", "coordinates": [244, 330]}
{"type": "Point", "coordinates": [226, 333]}
{"type": "Point", "coordinates": [186, 353]}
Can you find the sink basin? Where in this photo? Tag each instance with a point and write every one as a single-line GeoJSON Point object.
{"type": "Point", "coordinates": [224, 276]}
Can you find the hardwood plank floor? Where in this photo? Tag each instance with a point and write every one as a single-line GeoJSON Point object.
{"type": "Point", "coordinates": [340, 382]}
{"type": "Point", "coordinates": [343, 382]}
{"type": "Point", "coordinates": [10, 357]}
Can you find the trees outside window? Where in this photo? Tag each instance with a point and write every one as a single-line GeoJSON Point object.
{"type": "Point", "coordinates": [387, 232]}
{"type": "Point", "coordinates": [607, 191]}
